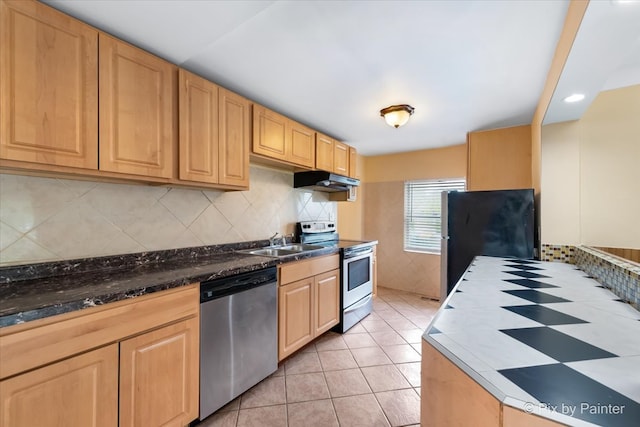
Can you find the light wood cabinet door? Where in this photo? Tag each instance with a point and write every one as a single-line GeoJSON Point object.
{"type": "Point", "coordinates": [327, 301]}
{"type": "Point", "coordinates": [234, 137]}
{"type": "Point", "coordinates": [198, 147]}
{"type": "Point", "coordinates": [159, 376]}
{"type": "Point", "coordinates": [301, 145]}
{"type": "Point", "coordinates": [81, 391]}
{"type": "Point", "coordinates": [48, 87]}
{"type": "Point", "coordinates": [353, 162]}
{"type": "Point", "coordinates": [324, 152]}
{"type": "Point", "coordinates": [269, 133]}
{"type": "Point", "coordinates": [137, 110]}
{"type": "Point", "coordinates": [341, 158]}
{"type": "Point", "coordinates": [499, 159]}
{"type": "Point", "coordinates": [295, 316]}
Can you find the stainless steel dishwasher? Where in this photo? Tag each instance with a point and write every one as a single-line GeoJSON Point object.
{"type": "Point", "coordinates": [238, 336]}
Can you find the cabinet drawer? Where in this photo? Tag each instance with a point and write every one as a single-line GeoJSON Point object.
{"type": "Point", "coordinates": [307, 268]}
{"type": "Point", "coordinates": [28, 346]}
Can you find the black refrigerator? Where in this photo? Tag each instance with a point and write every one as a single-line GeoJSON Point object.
{"type": "Point", "coordinates": [494, 223]}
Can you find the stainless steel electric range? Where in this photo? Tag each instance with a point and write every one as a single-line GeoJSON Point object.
{"type": "Point", "coordinates": [356, 268]}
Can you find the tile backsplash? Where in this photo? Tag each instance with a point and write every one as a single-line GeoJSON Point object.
{"type": "Point", "coordinates": [557, 253]}
{"type": "Point", "coordinates": [619, 275]}
{"type": "Point", "coordinates": [43, 219]}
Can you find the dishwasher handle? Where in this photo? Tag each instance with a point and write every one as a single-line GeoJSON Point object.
{"type": "Point", "coordinates": [220, 288]}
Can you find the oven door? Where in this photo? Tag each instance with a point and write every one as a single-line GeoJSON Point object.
{"type": "Point", "coordinates": [357, 276]}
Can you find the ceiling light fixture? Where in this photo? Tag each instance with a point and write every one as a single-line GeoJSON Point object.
{"type": "Point", "coordinates": [397, 115]}
{"type": "Point", "coordinates": [576, 97]}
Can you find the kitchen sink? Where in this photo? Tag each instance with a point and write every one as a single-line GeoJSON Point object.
{"type": "Point", "coordinates": [301, 247]}
{"type": "Point", "coordinates": [274, 252]}
{"type": "Point", "coordinates": [280, 251]}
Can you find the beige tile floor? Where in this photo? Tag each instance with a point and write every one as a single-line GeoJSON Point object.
{"type": "Point", "coordinates": [369, 376]}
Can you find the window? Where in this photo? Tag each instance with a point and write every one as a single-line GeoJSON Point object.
{"type": "Point", "coordinates": [422, 201]}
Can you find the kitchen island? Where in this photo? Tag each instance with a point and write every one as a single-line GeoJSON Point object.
{"type": "Point", "coordinates": [521, 342]}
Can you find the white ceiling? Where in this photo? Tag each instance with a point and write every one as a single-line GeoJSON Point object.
{"type": "Point", "coordinates": [463, 65]}
{"type": "Point", "coordinates": [605, 55]}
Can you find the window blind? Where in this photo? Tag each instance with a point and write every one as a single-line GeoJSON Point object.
{"type": "Point", "coordinates": [422, 213]}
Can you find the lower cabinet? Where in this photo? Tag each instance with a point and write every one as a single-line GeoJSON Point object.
{"type": "Point", "coordinates": [132, 363]}
{"type": "Point", "coordinates": [157, 371]}
{"type": "Point", "coordinates": [327, 301]}
{"type": "Point", "coordinates": [307, 306]}
{"type": "Point", "coordinates": [79, 391]}
{"type": "Point", "coordinates": [295, 316]}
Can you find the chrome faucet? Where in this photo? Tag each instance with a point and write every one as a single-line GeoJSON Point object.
{"type": "Point", "coordinates": [272, 239]}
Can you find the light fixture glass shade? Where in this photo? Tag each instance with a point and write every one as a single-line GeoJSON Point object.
{"type": "Point", "coordinates": [576, 97]}
{"type": "Point", "coordinates": [397, 115]}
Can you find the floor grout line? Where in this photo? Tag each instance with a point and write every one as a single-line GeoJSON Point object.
{"type": "Point", "coordinates": [393, 301]}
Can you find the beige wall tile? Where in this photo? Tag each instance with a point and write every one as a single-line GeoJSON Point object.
{"type": "Point", "coordinates": [26, 202]}
{"type": "Point", "coordinates": [77, 230]}
{"type": "Point", "coordinates": [68, 219]}
{"type": "Point", "coordinates": [384, 221]}
{"type": "Point", "coordinates": [186, 205]}
{"type": "Point", "coordinates": [8, 235]}
{"type": "Point", "coordinates": [25, 251]}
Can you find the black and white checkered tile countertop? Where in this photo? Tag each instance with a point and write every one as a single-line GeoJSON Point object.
{"type": "Point", "coordinates": [545, 338]}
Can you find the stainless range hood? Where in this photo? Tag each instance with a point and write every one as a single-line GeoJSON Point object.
{"type": "Point", "coordinates": [324, 181]}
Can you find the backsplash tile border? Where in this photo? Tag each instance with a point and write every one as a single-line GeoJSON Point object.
{"type": "Point", "coordinates": [614, 273]}
{"type": "Point", "coordinates": [557, 253]}
{"type": "Point", "coordinates": [622, 278]}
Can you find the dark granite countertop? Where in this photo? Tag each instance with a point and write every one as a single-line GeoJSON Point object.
{"type": "Point", "coordinates": [36, 291]}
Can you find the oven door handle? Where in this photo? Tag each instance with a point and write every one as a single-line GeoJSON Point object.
{"type": "Point", "coordinates": [359, 304]}
{"type": "Point", "coordinates": [354, 256]}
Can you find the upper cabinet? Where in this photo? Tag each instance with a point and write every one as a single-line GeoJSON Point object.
{"type": "Point", "coordinates": [137, 110]}
{"type": "Point", "coordinates": [214, 133]}
{"type": "Point", "coordinates": [74, 100]}
{"type": "Point", "coordinates": [303, 147]}
{"type": "Point", "coordinates": [269, 133]}
{"type": "Point", "coordinates": [324, 152]}
{"type": "Point", "coordinates": [48, 87]}
{"type": "Point", "coordinates": [335, 156]}
{"type": "Point", "coordinates": [341, 158]}
{"type": "Point", "coordinates": [235, 135]}
{"type": "Point", "coordinates": [198, 129]}
{"type": "Point", "coordinates": [278, 137]}
{"type": "Point", "coordinates": [353, 162]}
{"type": "Point", "coordinates": [499, 159]}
